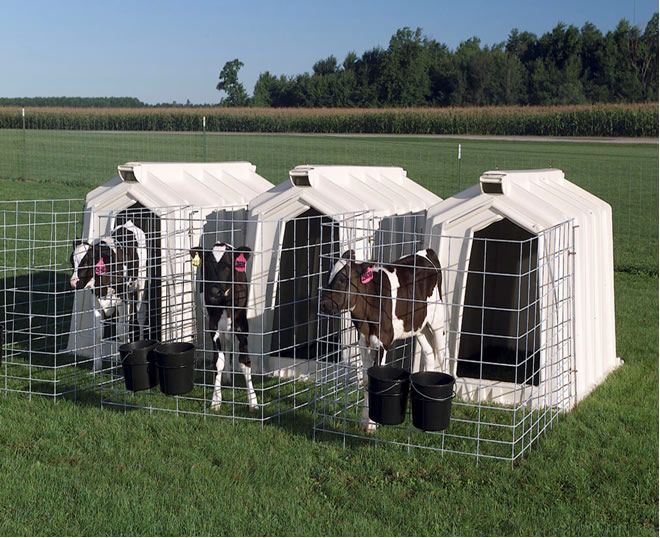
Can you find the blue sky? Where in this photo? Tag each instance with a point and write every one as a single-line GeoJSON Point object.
{"type": "Point", "coordinates": [173, 50]}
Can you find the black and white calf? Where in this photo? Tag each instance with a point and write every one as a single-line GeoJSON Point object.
{"type": "Point", "coordinates": [224, 292]}
{"type": "Point", "coordinates": [114, 268]}
{"type": "Point", "coordinates": [389, 302]}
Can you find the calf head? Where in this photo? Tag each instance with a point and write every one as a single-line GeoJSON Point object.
{"type": "Point", "coordinates": [223, 267]}
{"type": "Point", "coordinates": [92, 266]}
{"type": "Point", "coordinates": [347, 278]}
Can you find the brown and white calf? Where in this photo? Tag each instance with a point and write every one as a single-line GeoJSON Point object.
{"type": "Point", "coordinates": [387, 303]}
{"type": "Point", "coordinates": [224, 293]}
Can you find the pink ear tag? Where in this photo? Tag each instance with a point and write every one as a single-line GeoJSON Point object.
{"type": "Point", "coordinates": [240, 263]}
{"type": "Point", "coordinates": [367, 276]}
{"type": "Point", "coordinates": [100, 268]}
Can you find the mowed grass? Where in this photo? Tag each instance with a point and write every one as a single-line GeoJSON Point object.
{"type": "Point", "coordinates": [73, 468]}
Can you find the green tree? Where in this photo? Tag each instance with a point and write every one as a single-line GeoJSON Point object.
{"type": "Point", "coordinates": [476, 75]}
{"type": "Point", "coordinates": [328, 66]}
{"type": "Point", "coordinates": [509, 81]}
{"type": "Point", "coordinates": [555, 77]}
{"type": "Point", "coordinates": [370, 86]}
{"type": "Point", "coordinates": [442, 74]}
{"type": "Point", "coordinates": [594, 59]}
{"type": "Point", "coordinates": [647, 59]}
{"type": "Point", "coordinates": [405, 69]}
{"type": "Point", "coordinates": [236, 94]}
{"type": "Point", "coordinates": [265, 90]}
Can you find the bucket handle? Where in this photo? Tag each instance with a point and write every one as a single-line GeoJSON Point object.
{"type": "Point", "coordinates": [128, 356]}
{"type": "Point", "coordinates": [380, 392]}
{"type": "Point", "coordinates": [453, 395]}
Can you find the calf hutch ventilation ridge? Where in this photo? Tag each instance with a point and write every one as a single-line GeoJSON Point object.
{"type": "Point", "coordinates": [214, 255]}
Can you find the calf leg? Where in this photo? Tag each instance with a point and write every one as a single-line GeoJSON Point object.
{"type": "Point", "coordinates": [141, 312]}
{"type": "Point", "coordinates": [426, 340]}
{"type": "Point", "coordinates": [368, 354]}
{"type": "Point", "coordinates": [132, 312]}
{"type": "Point", "coordinates": [438, 340]}
{"type": "Point", "coordinates": [97, 361]}
{"type": "Point", "coordinates": [218, 339]}
{"type": "Point", "coordinates": [244, 363]}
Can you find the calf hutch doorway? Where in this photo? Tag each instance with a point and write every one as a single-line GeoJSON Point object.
{"type": "Point", "coordinates": [306, 248]}
{"type": "Point", "coordinates": [499, 327]}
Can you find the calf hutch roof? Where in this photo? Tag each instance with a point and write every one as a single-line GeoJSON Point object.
{"type": "Point", "coordinates": [343, 189]}
{"type": "Point", "coordinates": [536, 201]}
{"type": "Point", "coordinates": [159, 185]}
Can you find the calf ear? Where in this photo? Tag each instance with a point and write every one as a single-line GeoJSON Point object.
{"type": "Point", "coordinates": [246, 251]}
{"type": "Point", "coordinates": [365, 272]}
{"type": "Point", "coordinates": [348, 255]}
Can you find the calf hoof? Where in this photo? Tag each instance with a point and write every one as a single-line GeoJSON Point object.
{"type": "Point", "coordinates": [368, 427]}
{"type": "Point", "coordinates": [216, 403]}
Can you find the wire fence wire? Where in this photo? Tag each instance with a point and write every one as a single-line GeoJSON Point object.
{"type": "Point", "coordinates": [70, 163]}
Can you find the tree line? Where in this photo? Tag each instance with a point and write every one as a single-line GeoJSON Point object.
{"type": "Point", "coordinates": [75, 102]}
{"type": "Point", "coordinates": [567, 65]}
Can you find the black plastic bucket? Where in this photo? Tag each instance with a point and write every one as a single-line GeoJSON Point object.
{"type": "Point", "coordinates": [388, 394]}
{"type": "Point", "coordinates": [431, 394]}
{"type": "Point", "coordinates": [138, 363]}
{"type": "Point", "coordinates": [176, 367]}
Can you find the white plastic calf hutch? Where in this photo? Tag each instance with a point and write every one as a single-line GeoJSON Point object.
{"type": "Point", "coordinates": [295, 229]}
{"type": "Point", "coordinates": [527, 282]}
{"type": "Point", "coordinates": [528, 267]}
{"type": "Point", "coordinates": [176, 205]}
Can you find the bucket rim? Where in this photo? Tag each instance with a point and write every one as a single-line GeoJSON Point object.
{"type": "Point", "coordinates": [138, 345]}
{"type": "Point", "coordinates": [374, 370]}
{"type": "Point", "coordinates": [168, 348]}
{"type": "Point", "coordinates": [415, 379]}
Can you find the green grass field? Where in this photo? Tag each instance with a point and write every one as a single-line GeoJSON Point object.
{"type": "Point", "coordinates": [69, 164]}
{"type": "Point", "coordinates": [72, 468]}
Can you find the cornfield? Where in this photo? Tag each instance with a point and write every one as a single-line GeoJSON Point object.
{"type": "Point", "coordinates": [631, 120]}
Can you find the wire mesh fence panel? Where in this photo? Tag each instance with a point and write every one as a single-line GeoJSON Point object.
{"type": "Point", "coordinates": [493, 350]}
{"type": "Point", "coordinates": [244, 292]}
{"type": "Point", "coordinates": [37, 298]}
